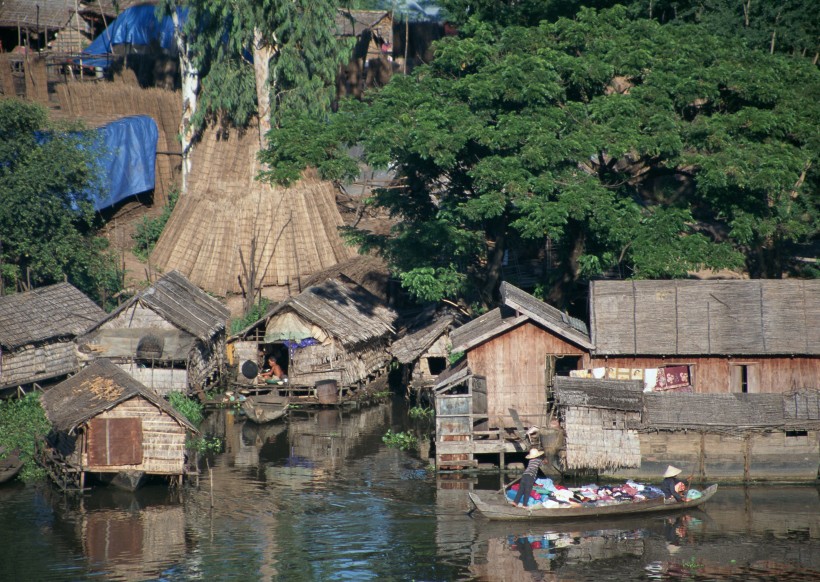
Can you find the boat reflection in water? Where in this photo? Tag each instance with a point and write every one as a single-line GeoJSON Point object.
{"type": "Point", "coordinates": [742, 533]}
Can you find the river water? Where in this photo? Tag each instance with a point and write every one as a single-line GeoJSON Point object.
{"type": "Point", "coordinates": [320, 497]}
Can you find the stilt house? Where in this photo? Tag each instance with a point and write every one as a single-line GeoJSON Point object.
{"type": "Point", "coordinates": [739, 336]}
{"type": "Point", "coordinates": [107, 422]}
{"type": "Point", "coordinates": [334, 332]}
{"type": "Point", "coordinates": [424, 347]}
{"type": "Point", "coordinates": [170, 336]}
{"type": "Point", "coordinates": [37, 332]}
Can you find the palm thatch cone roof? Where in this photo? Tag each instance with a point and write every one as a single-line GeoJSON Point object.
{"type": "Point", "coordinates": [228, 217]}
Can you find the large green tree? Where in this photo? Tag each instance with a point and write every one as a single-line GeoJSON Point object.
{"type": "Point", "coordinates": [47, 220]}
{"type": "Point", "coordinates": [633, 145]}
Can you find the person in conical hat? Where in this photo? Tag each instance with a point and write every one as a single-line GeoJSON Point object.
{"type": "Point", "coordinates": [671, 486]}
{"type": "Point", "coordinates": [535, 458]}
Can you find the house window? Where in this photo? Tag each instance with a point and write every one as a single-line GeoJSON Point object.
{"type": "Point", "coordinates": [797, 438]}
{"type": "Point", "coordinates": [745, 378]}
{"type": "Point", "coordinates": [436, 365]}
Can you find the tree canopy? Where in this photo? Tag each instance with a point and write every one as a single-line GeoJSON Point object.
{"type": "Point", "coordinates": [631, 145]}
{"type": "Point", "coordinates": [47, 181]}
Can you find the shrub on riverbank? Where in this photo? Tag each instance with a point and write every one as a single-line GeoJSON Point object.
{"type": "Point", "coordinates": [187, 407]}
{"type": "Point", "coordinates": [22, 423]}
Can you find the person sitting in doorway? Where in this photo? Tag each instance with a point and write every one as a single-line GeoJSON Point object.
{"type": "Point", "coordinates": [271, 370]}
{"type": "Point", "coordinates": [672, 486]}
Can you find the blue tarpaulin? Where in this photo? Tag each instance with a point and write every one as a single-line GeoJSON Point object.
{"type": "Point", "coordinates": [128, 149]}
{"type": "Point", "coordinates": [137, 25]}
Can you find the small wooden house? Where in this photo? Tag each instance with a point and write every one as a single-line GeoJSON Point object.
{"type": "Point", "coordinates": [37, 332]}
{"type": "Point", "coordinates": [739, 336]}
{"type": "Point", "coordinates": [518, 348]}
{"type": "Point", "coordinates": [727, 437]}
{"type": "Point", "coordinates": [170, 336]}
{"type": "Point", "coordinates": [104, 421]}
{"type": "Point", "coordinates": [336, 332]}
{"type": "Point", "coordinates": [424, 347]}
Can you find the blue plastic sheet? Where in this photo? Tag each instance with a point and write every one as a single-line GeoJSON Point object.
{"type": "Point", "coordinates": [128, 149]}
{"type": "Point", "coordinates": [137, 25]}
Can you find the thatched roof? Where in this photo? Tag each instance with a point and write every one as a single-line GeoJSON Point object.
{"type": "Point", "coordinates": [29, 14]}
{"type": "Point", "coordinates": [55, 311]}
{"type": "Point", "coordinates": [99, 387]}
{"type": "Point", "coordinates": [626, 395]}
{"type": "Point", "coordinates": [519, 307]}
{"type": "Point", "coordinates": [344, 310]}
{"type": "Point", "coordinates": [181, 303]}
{"type": "Point", "coordinates": [227, 217]}
{"type": "Point", "coordinates": [368, 271]}
{"type": "Point", "coordinates": [420, 334]}
{"type": "Point", "coordinates": [107, 7]}
{"type": "Point", "coordinates": [755, 317]}
{"type": "Point", "coordinates": [355, 22]}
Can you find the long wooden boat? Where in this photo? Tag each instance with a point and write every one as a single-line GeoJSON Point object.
{"type": "Point", "coordinates": [265, 408]}
{"type": "Point", "coordinates": [10, 465]}
{"type": "Point", "coordinates": [495, 506]}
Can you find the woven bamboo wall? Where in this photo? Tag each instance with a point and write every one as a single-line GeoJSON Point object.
{"type": "Point", "coordinates": [295, 229]}
{"type": "Point", "coordinates": [513, 364]}
{"type": "Point", "coordinates": [332, 362]}
{"type": "Point", "coordinates": [138, 317]}
{"type": "Point", "coordinates": [118, 99]}
{"type": "Point", "coordinates": [163, 439]}
{"type": "Point", "coordinates": [714, 375]}
{"type": "Point", "coordinates": [590, 445]}
{"type": "Point", "coordinates": [32, 364]}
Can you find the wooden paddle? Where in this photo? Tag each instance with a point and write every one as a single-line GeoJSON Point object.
{"type": "Point", "coordinates": [510, 484]}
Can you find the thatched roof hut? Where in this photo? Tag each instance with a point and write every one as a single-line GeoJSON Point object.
{"type": "Point", "coordinates": [255, 235]}
{"type": "Point", "coordinates": [37, 330]}
{"type": "Point", "coordinates": [105, 421]}
{"type": "Point", "coordinates": [682, 317]}
{"type": "Point", "coordinates": [598, 418]}
{"type": "Point", "coordinates": [171, 322]}
{"type": "Point", "coordinates": [334, 331]}
{"type": "Point", "coordinates": [34, 16]}
{"type": "Point", "coordinates": [424, 346]}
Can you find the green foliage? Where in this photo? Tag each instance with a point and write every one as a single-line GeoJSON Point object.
{"type": "Point", "coordinates": [454, 357]}
{"type": "Point", "coordinates": [188, 407]}
{"type": "Point", "coordinates": [422, 413]}
{"type": "Point", "coordinates": [23, 423]}
{"type": "Point", "coordinates": [149, 230]}
{"type": "Point", "coordinates": [400, 440]}
{"type": "Point", "coordinates": [255, 314]}
{"type": "Point", "coordinates": [205, 445]}
{"type": "Point", "coordinates": [304, 60]}
{"type": "Point", "coordinates": [649, 149]}
{"type": "Point", "coordinates": [47, 219]}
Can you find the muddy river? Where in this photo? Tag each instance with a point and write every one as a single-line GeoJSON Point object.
{"type": "Point", "coordinates": [321, 497]}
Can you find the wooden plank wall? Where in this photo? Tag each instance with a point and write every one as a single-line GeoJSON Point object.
{"type": "Point", "coordinates": [712, 375]}
{"type": "Point", "coordinates": [163, 439]}
{"type": "Point", "coordinates": [769, 456]}
{"type": "Point", "coordinates": [513, 364]}
{"type": "Point", "coordinates": [35, 363]}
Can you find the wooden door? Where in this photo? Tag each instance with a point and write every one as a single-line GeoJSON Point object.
{"type": "Point", "coordinates": [114, 442]}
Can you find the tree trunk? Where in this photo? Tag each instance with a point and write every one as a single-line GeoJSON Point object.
{"type": "Point", "coordinates": [564, 290]}
{"type": "Point", "coordinates": [263, 52]}
{"type": "Point", "coordinates": [495, 261]}
{"type": "Point", "coordinates": [190, 91]}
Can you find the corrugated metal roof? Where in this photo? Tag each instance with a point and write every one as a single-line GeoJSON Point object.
{"type": "Point", "coordinates": [95, 389]}
{"type": "Point", "coordinates": [59, 310]}
{"type": "Point", "coordinates": [763, 317]}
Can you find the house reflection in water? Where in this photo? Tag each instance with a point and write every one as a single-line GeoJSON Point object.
{"type": "Point", "coordinates": [128, 536]}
